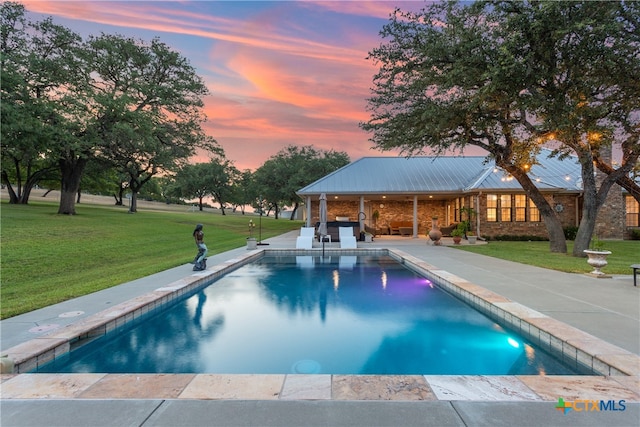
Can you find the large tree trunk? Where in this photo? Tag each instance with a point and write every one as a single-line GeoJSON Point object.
{"type": "Point", "coordinates": [293, 212]}
{"type": "Point", "coordinates": [593, 199]}
{"type": "Point", "coordinates": [21, 196]}
{"type": "Point", "coordinates": [135, 184]}
{"type": "Point", "coordinates": [119, 196]}
{"type": "Point", "coordinates": [71, 172]}
{"type": "Point", "coordinates": [13, 197]}
{"type": "Point", "coordinates": [557, 240]}
{"type": "Point", "coordinates": [133, 208]}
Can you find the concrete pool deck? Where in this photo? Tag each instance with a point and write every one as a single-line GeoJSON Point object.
{"type": "Point", "coordinates": [608, 309]}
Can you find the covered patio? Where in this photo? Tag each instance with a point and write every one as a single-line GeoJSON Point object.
{"type": "Point", "coordinates": [407, 196]}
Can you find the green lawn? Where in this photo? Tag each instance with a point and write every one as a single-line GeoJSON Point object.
{"type": "Point", "coordinates": [48, 258]}
{"type": "Point", "coordinates": [623, 254]}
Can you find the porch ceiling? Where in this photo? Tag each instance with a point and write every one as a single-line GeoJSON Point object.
{"type": "Point", "coordinates": [392, 197]}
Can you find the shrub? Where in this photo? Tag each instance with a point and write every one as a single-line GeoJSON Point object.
{"type": "Point", "coordinates": [570, 232]}
{"type": "Point", "coordinates": [517, 238]}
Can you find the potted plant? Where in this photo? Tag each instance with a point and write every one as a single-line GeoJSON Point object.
{"type": "Point", "coordinates": [457, 233]}
{"type": "Point", "coordinates": [375, 216]}
{"type": "Point", "coordinates": [471, 237]}
{"type": "Point", "coordinates": [251, 241]}
{"type": "Point", "coordinates": [471, 214]}
{"type": "Point", "coordinates": [597, 257]}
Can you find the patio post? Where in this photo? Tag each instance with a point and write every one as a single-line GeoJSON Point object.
{"type": "Point", "coordinates": [415, 216]}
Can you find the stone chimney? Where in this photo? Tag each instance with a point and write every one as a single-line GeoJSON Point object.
{"type": "Point", "coordinates": [610, 222]}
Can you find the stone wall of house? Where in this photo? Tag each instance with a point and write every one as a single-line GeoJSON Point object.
{"type": "Point", "coordinates": [611, 221]}
{"type": "Point", "coordinates": [568, 217]}
{"type": "Point", "coordinates": [389, 210]}
{"type": "Point", "coordinates": [610, 224]}
{"type": "Point", "coordinates": [403, 211]}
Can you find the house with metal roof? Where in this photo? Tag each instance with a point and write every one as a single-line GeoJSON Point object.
{"type": "Point", "coordinates": [382, 192]}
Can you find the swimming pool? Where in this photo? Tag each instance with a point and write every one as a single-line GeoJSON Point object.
{"type": "Point", "coordinates": [314, 314]}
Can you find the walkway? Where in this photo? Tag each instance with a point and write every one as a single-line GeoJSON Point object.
{"type": "Point", "coordinates": [606, 308]}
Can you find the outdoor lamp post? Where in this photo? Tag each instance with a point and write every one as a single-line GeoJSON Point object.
{"type": "Point", "coordinates": [260, 227]}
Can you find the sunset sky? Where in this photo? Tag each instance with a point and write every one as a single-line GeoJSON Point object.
{"type": "Point", "coordinates": [279, 72]}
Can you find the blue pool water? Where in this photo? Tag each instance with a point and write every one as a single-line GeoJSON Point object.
{"type": "Point", "coordinates": [331, 315]}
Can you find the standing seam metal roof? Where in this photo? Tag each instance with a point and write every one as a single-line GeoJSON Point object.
{"type": "Point", "coordinates": [424, 174]}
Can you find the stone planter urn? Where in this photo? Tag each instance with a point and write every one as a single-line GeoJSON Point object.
{"type": "Point", "coordinates": [435, 234]}
{"type": "Point", "coordinates": [597, 260]}
{"type": "Point", "coordinates": [6, 365]}
{"type": "Point", "coordinates": [251, 243]}
{"type": "Point", "coordinates": [472, 239]}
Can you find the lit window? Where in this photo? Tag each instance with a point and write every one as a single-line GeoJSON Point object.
{"type": "Point", "coordinates": [633, 212]}
{"type": "Point", "coordinates": [505, 207]}
{"type": "Point", "coordinates": [521, 207]}
{"type": "Point", "coordinates": [492, 208]}
{"type": "Point", "coordinates": [534, 213]}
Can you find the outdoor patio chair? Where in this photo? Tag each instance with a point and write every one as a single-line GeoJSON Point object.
{"type": "Point", "coordinates": [305, 239]}
{"type": "Point", "coordinates": [347, 239]}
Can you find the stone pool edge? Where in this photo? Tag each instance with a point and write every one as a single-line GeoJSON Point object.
{"type": "Point", "coordinates": [619, 368]}
{"type": "Point", "coordinates": [573, 346]}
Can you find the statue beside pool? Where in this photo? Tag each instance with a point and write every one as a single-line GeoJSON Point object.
{"type": "Point", "coordinates": [200, 261]}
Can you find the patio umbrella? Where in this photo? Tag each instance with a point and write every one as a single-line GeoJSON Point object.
{"type": "Point", "coordinates": [323, 215]}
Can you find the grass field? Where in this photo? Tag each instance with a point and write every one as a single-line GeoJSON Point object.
{"type": "Point", "coordinates": [624, 253]}
{"type": "Point", "coordinates": [48, 258]}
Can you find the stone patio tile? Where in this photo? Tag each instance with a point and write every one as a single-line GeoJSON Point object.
{"type": "Point", "coordinates": [138, 386]}
{"type": "Point", "coordinates": [631, 383]}
{"type": "Point", "coordinates": [620, 363]}
{"type": "Point", "coordinates": [552, 387]}
{"type": "Point", "coordinates": [247, 386]}
{"type": "Point", "coordinates": [381, 387]}
{"type": "Point", "coordinates": [299, 386]}
{"type": "Point", "coordinates": [480, 388]}
{"type": "Point", "coordinates": [48, 386]}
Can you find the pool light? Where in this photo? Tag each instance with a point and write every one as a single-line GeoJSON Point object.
{"type": "Point", "coordinates": [513, 342]}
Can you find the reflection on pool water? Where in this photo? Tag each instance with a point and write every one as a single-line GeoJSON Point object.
{"type": "Point", "coordinates": [312, 314]}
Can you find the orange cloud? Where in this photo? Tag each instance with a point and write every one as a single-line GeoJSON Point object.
{"type": "Point", "coordinates": [275, 79]}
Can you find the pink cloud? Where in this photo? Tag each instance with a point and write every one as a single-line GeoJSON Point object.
{"type": "Point", "coordinates": [274, 79]}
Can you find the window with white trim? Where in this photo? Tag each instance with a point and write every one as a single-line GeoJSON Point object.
{"type": "Point", "coordinates": [633, 211]}
{"type": "Point", "coordinates": [505, 208]}
{"type": "Point", "coordinates": [492, 208]}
